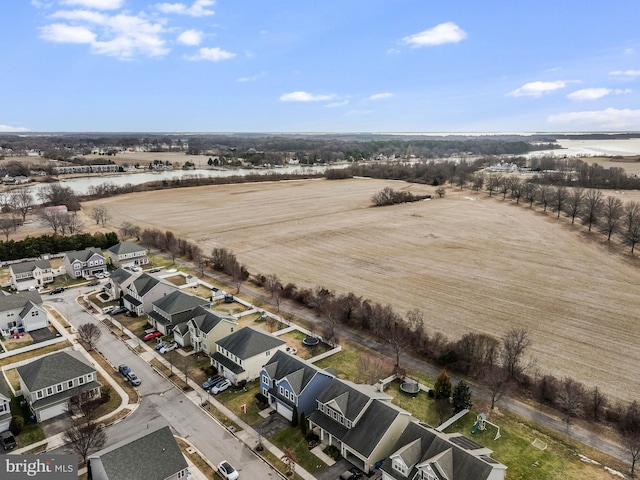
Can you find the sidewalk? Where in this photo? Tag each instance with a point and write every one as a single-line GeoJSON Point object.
{"type": "Point", "coordinates": [246, 435]}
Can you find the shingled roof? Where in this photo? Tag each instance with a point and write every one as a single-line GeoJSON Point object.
{"type": "Point", "coordinates": [248, 342]}
{"type": "Point", "coordinates": [125, 247]}
{"type": "Point", "coordinates": [52, 369]}
{"type": "Point", "coordinates": [24, 267]}
{"type": "Point", "coordinates": [19, 300]}
{"type": "Point", "coordinates": [297, 372]}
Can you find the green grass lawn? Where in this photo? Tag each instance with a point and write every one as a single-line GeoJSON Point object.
{"type": "Point", "coordinates": [292, 438]}
{"type": "Point", "coordinates": [32, 431]}
{"type": "Point", "coordinates": [232, 399]}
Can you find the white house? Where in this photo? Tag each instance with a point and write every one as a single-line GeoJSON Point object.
{"type": "Point", "coordinates": [22, 312]}
{"type": "Point", "coordinates": [241, 355]}
{"type": "Point", "coordinates": [204, 329]}
{"type": "Point", "coordinates": [143, 290]}
{"type": "Point", "coordinates": [5, 411]}
{"type": "Point", "coordinates": [125, 254]}
{"type": "Point", "coordinates": [50, 381]}
{"type": "Point", "coordinates": [30, 275]}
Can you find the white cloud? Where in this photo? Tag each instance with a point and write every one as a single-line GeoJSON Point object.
{"type": "Point", "coordinates": [253, 78]}
{"type": "Point", "coordinates": [447, 32]}
{"type": "Point", "coordinates": [595, 93]}
{"type": "Point", "coordinates": [629, 51]}
{"type": "Point", "coordinates": [610, 118]}
{"type": "Point", "coordinates": [304, 97]}
{"type": "Point", "coordinates": [380, 96]}
{"type": "Point", "coordinates": [337, 104]}
{"type": "Point", "coordinates": [82, 16]}
{"type": "Point", "coordinates": [9, 128]}
{"type": "Point", "coordinates": [212, 55]}
{"type": "Point", "coordinates": [190, 37]}
{"type": "Point", "coordinates": [96, 4]}
{"type": "Point", "coordinates": [197, 9]}
{"type": "Point", "coordinates": [625, 73]}
{"type": "Point", "coordinates": [62, 33]}
{"type": "Point", "coordinates": [537, 89]}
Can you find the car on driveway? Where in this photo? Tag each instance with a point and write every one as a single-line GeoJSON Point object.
{"type": "Point", "coordinates": [151, 336]}
{"type": "Point", "coordinates": [221, 386]}
{"type": "Point", "coordinates": [211, 381]}
{"type": "Point", "coordinates": [56, 290]}
{"type": "Point", "coordinates": [160, 344]}
{"type": "Point", "coordinates": [93, 283]}
{"type": "Point", "coordinates": [7, 440]}
{"type": "Point", "coordinates": [352, 474]}
{"type": "Point", "coordinates": [167, 348]}
{"type": "Point", "coordinates": [226, 471]}
{"type": "Point", "coordinates": [124, 369]}
{"type": "Point", "coordinates": [155, 270]}
{"type": "Point", "coordinates": [118, 310]}
{"type": "Point", "coordinates": [133, 379]}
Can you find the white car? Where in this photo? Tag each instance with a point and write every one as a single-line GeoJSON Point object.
{"type": "Point", "coordinates": [226, 471]}
{"type": "Point", "coordinates": [169, 347]}
{"type": "Point", "coordinates": [220, 386]}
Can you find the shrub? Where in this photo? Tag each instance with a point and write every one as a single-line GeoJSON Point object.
{"type": "Point", "coordinates": [16, 425]}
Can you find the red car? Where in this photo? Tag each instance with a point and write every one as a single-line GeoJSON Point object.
{"type": "Point", "coordinates": [151, 336]}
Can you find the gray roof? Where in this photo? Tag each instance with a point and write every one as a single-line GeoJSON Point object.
{"type": "Point", "coordinates": [83, 255]}
{"type": "Point", "coordinates": [123, 248]}
{"type": "Point", "coordinates": [350, 401]}
{"type": "Point", "coordinates": [206, 319]}
{"type": "Point", "coordinates": [19, 300]}
{"type": "Point", "coordinates": [120, 275]}
{"type": "Point", "coordinates": [297, 372]}
{"type": "Point", "coordinates": [144, 283]}
{"type": "Point", "coordinates": [420, 445]}
{"type": "Point", "coordinates": [179, 302]}
{"type": "Point", "coordinates": [227, 363]}
{"type": "Point", "coordinates": [23, 267]}
{"type": "Point", "coordinates": [368, 432]}
{"type": "Point", "coordinates": [3, 389]}
{"type": "Point", "coordinates": [248, 342]}
{"type": "Point", "coordinates": [53, 369]}
{"type": "Point", "coordinates": [152, 454]}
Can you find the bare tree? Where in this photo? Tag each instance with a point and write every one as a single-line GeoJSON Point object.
{"type": "Point", "coordinates": [517, 189]}
{"type": "Point", "coordinates": [493, 184]}
{"type": "Point", "coordinates": [272, 283]}
{"type": "Point", "coordinates": [440, 191]}
{"type": "Point", "coordinates": [597, 403]}
{"type": "Point", "coordinates": [559, 198]}
{"type": "Point", "coordinates": [128, 229]}
{"type": "Point", "coordinates": [89, 333]}
{"type": "Point", "coordinates": [171, 245]}
{"type": "Point", "coordinates": [289, 458]}
{"type": "Point", "coordinates": [53, 217]}
{"type": "Point", "coordinates": [83, 433]}
{"type": "Point", "coordinates": [592, 207]}
{"type": "Point", "coordinates": [398, 337]}
{"type": "Point", "coordinates": [370, 369]}
{"type": "Point", "coordinates": [571, 400]}
{"type": "Point", "coordinates": [612, 211]}
{"type": "Point", "coordinates": [633, 234]}
{"type": "Point", "coordinates": [631, 441]}
{"type": "Point", "coordinates": [7, 226]}
{"type": "Point", "coordinates": [574, 203]}
{"type": "Point", "coordinates": [101, 215]}
{"type": "Point", "coordinates": [530, 191]}
{"type": "Point", "coordinates": [497, 382]}
{"type": "Point", "coordinates": [70, 223]}
{"type": "Point", "coordinates": [544, 196]}
{"type": "Point", "coordinates": [515, 343]}
{"type": "Point", "coordinates": [23, 201]}
{"type": "Point", "coordinates": [631, 212]}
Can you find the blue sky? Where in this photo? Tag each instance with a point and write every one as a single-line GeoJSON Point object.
{"type": "Point", "coordinates": [320, 66]}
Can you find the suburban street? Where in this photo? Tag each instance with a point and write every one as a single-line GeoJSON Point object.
{"type": "Point", "coordinates": [160, 400]}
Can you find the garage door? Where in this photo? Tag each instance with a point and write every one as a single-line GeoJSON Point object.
{"type": "Point", "coordinates": [52, 411]}
{"type": "Point", "coordinates": [285, 411]}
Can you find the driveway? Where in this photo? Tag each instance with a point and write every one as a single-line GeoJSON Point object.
{"type": "Point", "coordinates": [42, 335]}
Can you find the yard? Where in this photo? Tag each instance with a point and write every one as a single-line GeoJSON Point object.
{"type": "Point", "coordinates": [291, 438]}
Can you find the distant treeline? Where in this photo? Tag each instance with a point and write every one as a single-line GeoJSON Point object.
{"type": "Point", "coordinates": [32, 247]}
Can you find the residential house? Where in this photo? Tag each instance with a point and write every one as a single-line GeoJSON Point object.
{"type": "Point", "coordinates": [290, 383]}
{"type": "Point", "coordinates": [5, 411]}
{"type": "Point", "coordinates": [144, 290]}
{"type": "Point", "coordinates": [204, 329]}
{"type": "Point", "coordinates": [84, 263]}
{"type": "Point", "coordinates": [241, 355]}
{"type": "Point", "coordinates": [22, 312]}
{"type": "Point", "coordinates": [150, 454]}
{"type": "Point", "coordinates": [118, 283]}
{"type": "Point", "coordinates": [422, 453]}
{"type": "Point", "coordinates": [50, 381]}
{"type": "Point", "coordinates": [173, 309]}
{"type": "Point", "coordinates": [126, 254]}
{"type": "Point", "coordinates": [30, 275]}
{"type": "Point", "coordinates": [360, 421]}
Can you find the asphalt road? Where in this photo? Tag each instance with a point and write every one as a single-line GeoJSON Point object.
{"type": "Point", "coordinates": [161, 401]}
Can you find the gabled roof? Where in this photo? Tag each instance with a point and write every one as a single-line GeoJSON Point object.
{"type": "Point", "coordinates": [206, 319]}
{"type": "Point", "coordinates": [19, 300]}
{"type": "Point", "coordinates": [83, 255]}
{"type": "Point", "coordinates": [24, 267]}
{"type": "Point", "coordinates": [145, 283]}
{"type": "Point", "coordinates": [249, 342]}
{"type": "Point", "coordinates": [421, 446]}
{"type": "Point", "coordinates": [148, 455]}
{"type": "Point", "coordinates": [179, 302]}
{"type": "Point", "coordinates": [53, 369]}
{"type": "Point", "coordinates": [123, 248]}
{"type": "Point", "coordinates": [295, 370]}
{"type": "Point", "coordinates": [120, 275]}
{"type": "Point", "coordinates": [346, 399]}
{"type": "Point", "coordinates": [27, 308]}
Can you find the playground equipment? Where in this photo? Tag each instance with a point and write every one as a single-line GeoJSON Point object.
{"type": "Point", "coordinates": [481, 419]}
{"type": "Point", "coordinates": [481, 424]}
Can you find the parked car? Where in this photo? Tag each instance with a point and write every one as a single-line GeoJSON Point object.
{"type": "Point", "coordinates": [135, 268]}
{"type": "Point", "coordinates": [99, 275]}
{"type": "Point", "coordinates": [226, 471]}
{"type": "Point", "coordinates": [160, 344]}
{"type": "Point", "coordinates": [221, 386]}
{"type": "Point", "coordinates": [168, 347]}
{"type": "Point", "coordinates": [151, 336]}
{"type": "Point", "coordinates": [109, 309]}
{"type": "Point", "coordinates": [124, 369]}
{"type": "Point", "coordinates": [211, 381]}
{"type": "Point", "coordinates": [106, 274]}
{"type": "Point", "coordinates": [7, 440]}
{"type": "Point", "coordinates": [56, 290]}
{"type": "Point", "coordinates": [133, 379]}
{"type": "Point", "coordinates": [118, 310]}
{"type": "Point", "coordinates": [154, 270]}
{"type": "Point", "coordinates": [352, 474]}
{"type": "Point", "coordinates": [93, 283]}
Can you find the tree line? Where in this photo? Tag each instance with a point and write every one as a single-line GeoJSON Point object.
{"type": "Point", "coordinates": [32, 247]}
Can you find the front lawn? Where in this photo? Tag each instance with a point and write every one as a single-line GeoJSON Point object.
{"type": "Point", "coordinates": [292, 438]}
{"type": "Point", "coordinates": [233, 398]}
{"type": "Point", "coordinates": [32, 431]}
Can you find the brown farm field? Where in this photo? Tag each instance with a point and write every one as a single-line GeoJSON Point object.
{"type": "Point", "coordinates": [470, 263]}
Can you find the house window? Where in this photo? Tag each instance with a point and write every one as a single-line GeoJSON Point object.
{"type": "Point", "coordinates": [49, 390]}
{"type": "Point", "coordinates": [34, 313]}
{"type": "Point", "coordinates": [59, 387]}
{"type": "Point", "coordinates": [181, 474]}
{"type": "Point", "coordinates": [89, 377]}
{"type": "Point", "coordinates": [267, 353]}
{"type": "Point", "coordinates": [264, 392]}
{"type": "Point", "coordinates": [80, 380]}
{"type": "Point", "coordinates": [39, 395]}
{"type": "Point", "coordinates": [281, 390]}
{"type": "Point", "coordinates": [11, 324]}
{"type": "Point", "coordinates": [265, 380]}
{"type": "Point", "coordinates": [3, 407]}
{"type": "Point", "coordinates": [70, 384]}
{"type": "Point", "coordinates": [399, 466]}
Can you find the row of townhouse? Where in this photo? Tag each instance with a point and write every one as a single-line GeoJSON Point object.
{"type": "Point", "coordinates": [102, 168]}
{"type": "Point", "coordinates": [367, 429]}
{"type": "Point", "coordinates": [77, 264]}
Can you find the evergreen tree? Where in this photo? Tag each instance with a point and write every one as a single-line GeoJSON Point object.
{"type": "Point", "coordinates": [442, 387]}
{"type": "Point", "coordinates": [294, 417]}
{"type": "Point", "coordinates": [303, 424]}
{"type": "Point", "coordinates": [461, 396]}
